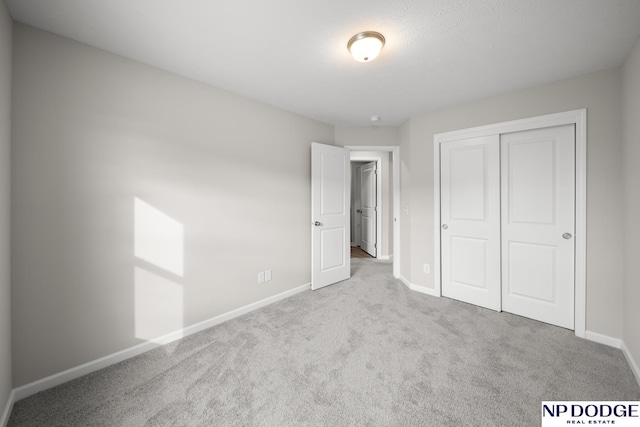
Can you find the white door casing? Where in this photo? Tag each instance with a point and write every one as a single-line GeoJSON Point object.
{"type": "Point", "coordinates": [576, 118]}
{"type": "Point", "coordinates": [330, 209]}
{"type": "Point", "coordinates": [538, 224]}
{"type": "Point", "coordinates": [368, 207]}
{"type": "Point", "coordinates": [470, 221]}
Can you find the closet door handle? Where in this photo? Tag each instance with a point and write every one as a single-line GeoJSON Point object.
{"type": "Point", "coordinates": [445, 226]}
{"type": "Point", "coordinates": [567, 236]}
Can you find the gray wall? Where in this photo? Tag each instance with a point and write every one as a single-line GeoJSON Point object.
{"type": "Point", "coordinates": [600, 93]}
{"type": "Point", "coordinates": [631, 156]}
{"type": "Point", "coordinates": [94, 131]}
{"type": "Point", "coordinates": [367, 135]}
{"type": "Point", "coordinates": [5, 137]}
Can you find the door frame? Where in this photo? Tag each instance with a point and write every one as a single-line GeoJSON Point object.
{"type": "Point", "coordinates": [395, 166]}
{"type": "Point", "coordinates": [575, 117]}
{"type": "Point", "coordinates": [379, 200]}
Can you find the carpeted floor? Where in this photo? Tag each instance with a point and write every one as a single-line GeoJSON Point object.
{"type": "Point", "coordinates": [366, 351]}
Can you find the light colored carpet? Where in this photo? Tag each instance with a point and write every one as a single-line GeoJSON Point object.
{"type": "Point", "coordinates": [366, 351]}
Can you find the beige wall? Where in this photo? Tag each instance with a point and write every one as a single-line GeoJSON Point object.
{"type": "Point", "coordinates": [94, 131]}
{"type": "Point", "coordinates": [631, 225]}
{"type": "Point", "coordinates": [366, 135]}
{"type": "Point", "coordinates": [5, 137]}
{"type": "Point", "coordinates": [600, 93]}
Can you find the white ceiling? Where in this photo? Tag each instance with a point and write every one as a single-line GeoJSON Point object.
{"type": "Point", "coordinates": [292, 53]}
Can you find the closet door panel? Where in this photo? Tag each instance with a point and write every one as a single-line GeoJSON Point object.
{"type": "Point", "coordinates": [470, 221]}
{"type": "Point", "coordinates": [538, 222]}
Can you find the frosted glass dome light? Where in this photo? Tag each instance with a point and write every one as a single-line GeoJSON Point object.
{"type": "Point", "coordinates": [366, 46]}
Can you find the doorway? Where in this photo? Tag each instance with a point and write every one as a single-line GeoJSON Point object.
{"type": "Point", "coordinates": [330, 209]}
{"type": "Point", "coordinates": [366, 222]}
{"type": "Point", "coordinates": [388, 193]}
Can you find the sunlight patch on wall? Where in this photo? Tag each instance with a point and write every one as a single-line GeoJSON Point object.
{"type": "Point", "coordinates": [158, 305]}
{"type": "Point", "coordinates": [158, 238]}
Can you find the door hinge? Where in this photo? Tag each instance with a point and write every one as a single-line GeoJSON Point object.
{"type": "Point", "coordinates": [375, 245]}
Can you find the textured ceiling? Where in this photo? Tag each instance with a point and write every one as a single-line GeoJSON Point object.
{"type": "Point", "coordinates": [292, 53]}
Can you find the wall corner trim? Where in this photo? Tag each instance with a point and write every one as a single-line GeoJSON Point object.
{"type": "Point", "coordinates": [418, 288]}
{"type": "Point", "coordinates": [603, 339]}
{"type": "Point", "coordinates": [95, 365]}
{"type": "Point", "coordinates": [4, 419]}
{"type": "Point", "coordinates": [632, 363]}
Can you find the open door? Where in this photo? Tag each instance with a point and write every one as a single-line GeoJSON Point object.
{"type": "Point", "coordinates": [330, 209]}
{"type": "Point", "coordinates": [369, 208]}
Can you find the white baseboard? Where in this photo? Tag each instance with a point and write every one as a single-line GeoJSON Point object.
{"type": "Point", "coordinates": [632, 363]}
{"type": "Point", "coordinates": [385, 257]}
{"type": "Point", "coordinates": [418, 288]}
{"type": "Point", "coordinates": [404, 281]}
{"type": "Point", "coordinates": [95, 365]}
{"type": "Point", "coordinates": [4, 419]}
{"type": "Point", "coordinates": [603, 339]}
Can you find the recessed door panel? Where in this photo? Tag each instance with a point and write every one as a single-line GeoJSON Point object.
{"type": "Point", "coordinates": [531, 272]}
{"type": "Point", "coordinates": [470, 220]}
{"type": "Point", "coordinates": [469, 262]}
{"type": "Point", "coordinates": [332, 176]}
{"type": "Point", "coordinates": [331, 243]}
{"type": "Point", "coordinates": [532, 181]}
{"type": "Point", "coordinates": [468, 173]}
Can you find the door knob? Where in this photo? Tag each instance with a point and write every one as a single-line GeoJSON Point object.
{"type": "Point", "coordinates": [445, 226]}
{"type": "Point", "coordinates": [567, 236]}
{"type": "Point", "coordinates": [317, 224]}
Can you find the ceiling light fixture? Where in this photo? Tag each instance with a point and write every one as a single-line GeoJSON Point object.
{"type": "Point", "coordinates": [366, 46]}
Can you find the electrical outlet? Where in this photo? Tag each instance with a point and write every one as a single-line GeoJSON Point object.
{"type": "Point", "coordinates": [426, 268]}
{"type": "Point", "coordinates": [267, 275]}
{"type": "Point", "coordinates": [261, 277]}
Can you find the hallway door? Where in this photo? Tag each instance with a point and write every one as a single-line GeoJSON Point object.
{"type": "Point", "coordinates": [369, 207]}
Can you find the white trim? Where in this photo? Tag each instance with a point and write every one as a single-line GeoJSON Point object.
{"type": "Point", "coordinates": [84, 369]}
{"type": "Point", "coordinates": [577, 117]}
{"type": "Point", "coordinates": [418, 288]}
{"type": "Point", "coordinates": [4, 419]}
{"type": "Point", "coordinates": [632, 363]}
{"type": "Point", "coordinates": [385, 257]}
{"type": "Point", "coordinates": [395, 151]}
{"type": "Point", "coordinates": [405, 281]}
{"type": "Point", "coordinates": [603, 339]}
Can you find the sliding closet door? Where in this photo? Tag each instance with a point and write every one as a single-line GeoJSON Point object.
{"type": "Point", "coordinates": [470, 215]}
{"type": "Point", "coordinates": [538, 222]}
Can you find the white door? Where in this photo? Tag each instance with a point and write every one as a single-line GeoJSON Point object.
{"type": "Point", "coordinates": [538, 222]}
{"type": "Point", "coordinates": [330, 227]}
{"type": "Point", "coordinates": [470, 215]}
{"type": "Point", "coordinates": [369, 207]}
